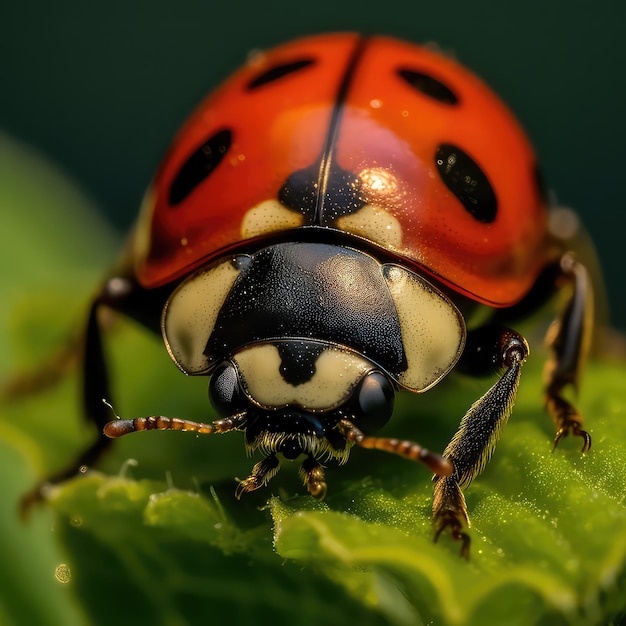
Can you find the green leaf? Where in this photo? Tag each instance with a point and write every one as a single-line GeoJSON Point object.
{"type": "Point", "coordinates": [163, 540]}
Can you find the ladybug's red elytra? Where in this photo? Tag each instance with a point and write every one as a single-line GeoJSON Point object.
{"type": "Point", "coordinates": [313, 242]}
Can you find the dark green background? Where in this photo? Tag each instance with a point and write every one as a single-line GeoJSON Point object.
{"type": "Point", "coordinates": [100, 87]}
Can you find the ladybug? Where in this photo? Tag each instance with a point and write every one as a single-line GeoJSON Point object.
{"type": "Point", "coordinates": [320, 236]}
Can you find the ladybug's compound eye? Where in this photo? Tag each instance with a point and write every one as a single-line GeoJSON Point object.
{"type": "Point", "coordinates": [225, 393]}
{"type": "Point", "coordinates": [374, 402]}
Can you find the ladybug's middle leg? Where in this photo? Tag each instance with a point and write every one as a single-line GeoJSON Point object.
{"type": "Point", "coordinates": [474, 443]}
{"type": "Point", "coordinates": [568, 339]}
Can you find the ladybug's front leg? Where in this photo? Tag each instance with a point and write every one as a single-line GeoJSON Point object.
{"type": "Point", "coordinates": [568, 339]}
{"type": "Point", "coordinates": [474, 443]}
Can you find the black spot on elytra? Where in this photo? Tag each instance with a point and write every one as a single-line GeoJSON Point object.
{"type": "Point", "coordinates": [428, 85]}
{"type": "Point", "coordinates": [341, 193]}
{"type": "Point", "coordinates": [300, 190]}
{"type": "Point", "coordinates": [278, 71]}
{"type": "Point", "coordinates": [200, 165]}
{"type": "Point", "coordinates": [466, 180]}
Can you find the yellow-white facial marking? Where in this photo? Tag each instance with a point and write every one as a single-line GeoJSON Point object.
{"type": "Point", "coordinates": [375, 224]}
{"type": "Point", "coordinates": [337, 372]}
{"type": "Point", "coordinates": [433, 329]}
{"type": "Point", "coordinates": [269, 217]}
{"type": "Point", "coordinates": [190, 314]}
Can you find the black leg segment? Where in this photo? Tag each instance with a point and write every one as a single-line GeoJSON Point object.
{"type": "Point", "coordinates": [474, 443]}
{"type": "Point", "coordinates": [569, 339]}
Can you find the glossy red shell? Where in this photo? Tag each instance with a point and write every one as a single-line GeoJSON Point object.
{"type": "Point", "coordinates": [387, 133]}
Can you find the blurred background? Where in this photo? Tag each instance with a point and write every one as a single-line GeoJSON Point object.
{"type": "Point", "coordinates": [99, 88]}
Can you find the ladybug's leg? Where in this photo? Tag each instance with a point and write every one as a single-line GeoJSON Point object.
{"type": "Point", "coordinates": [568, 339]}
{"type": "Point", "coordinates": [119, 294]}
{"type": "Point", "coordinates": [474, 443]}
{"type": "Point", "coordinates": [311, 472]}
{"type": "Point", "coordinates": [261, 474]}
{"type": "Point", "coordinates": [312, 475]}
{"type": "Point", "coordinates": [95, 385]}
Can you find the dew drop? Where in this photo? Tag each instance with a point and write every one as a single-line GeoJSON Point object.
{"type": "Point", "coordinates": [62, 573]}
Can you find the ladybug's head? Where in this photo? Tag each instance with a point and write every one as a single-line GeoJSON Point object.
{"type": "Point", "coordinates": [302, 338]}
{"type": "Point", "coordinates": [294, 392]}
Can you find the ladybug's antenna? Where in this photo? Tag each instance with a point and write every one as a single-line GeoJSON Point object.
{"type": "Point", "coordinates": [120, 427]}
{"type": "Point", "coordinates": [407, 449]}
